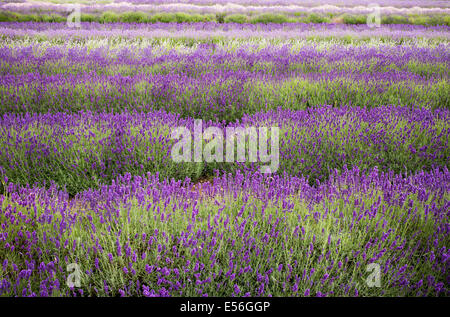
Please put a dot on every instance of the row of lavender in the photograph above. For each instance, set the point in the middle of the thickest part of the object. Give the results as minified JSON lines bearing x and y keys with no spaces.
{"x":221,"y":84}
{"x":229,"y":31}
{"x":310,"y":3}
{"x":89,"y":183}
{"x":85,"y":150}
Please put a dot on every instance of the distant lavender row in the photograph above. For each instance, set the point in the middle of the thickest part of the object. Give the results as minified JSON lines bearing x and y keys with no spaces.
{"x":30,"y":7}
{"x":225,"y":95}
{"x":212,"y":29}
{"x":309,"y":3}
{"x":221,"y":84}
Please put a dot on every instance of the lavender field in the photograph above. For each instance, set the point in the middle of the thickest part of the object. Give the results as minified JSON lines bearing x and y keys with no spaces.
{"x":94,"y":202}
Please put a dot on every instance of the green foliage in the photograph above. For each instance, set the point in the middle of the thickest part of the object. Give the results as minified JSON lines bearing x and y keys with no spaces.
{"x":354,"y":19}
{"x":134,"y":17}
{"x":236,"y":18}
{"x":394,"y":19}
{"x":220,"y":17}
{"x":269,"y":18}
{"x":6,"y":16}
{"x":163,"y":17}
{"x":109,"y":17}
{"x":88,"y":18}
